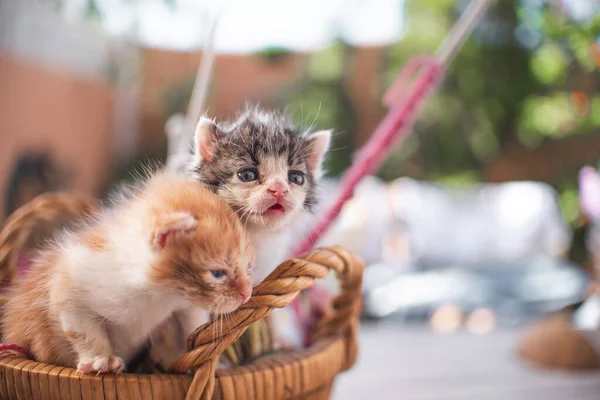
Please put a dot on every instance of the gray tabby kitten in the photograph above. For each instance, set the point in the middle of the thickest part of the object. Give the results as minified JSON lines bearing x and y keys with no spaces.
{"x":268,"y":172}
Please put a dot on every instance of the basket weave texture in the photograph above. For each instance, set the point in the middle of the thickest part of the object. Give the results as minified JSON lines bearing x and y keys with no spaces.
{"x":305,"y":374}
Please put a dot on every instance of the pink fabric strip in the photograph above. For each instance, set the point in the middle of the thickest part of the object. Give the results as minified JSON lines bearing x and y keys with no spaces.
{"x":15,"y":347}
{"x":393,"y":127}
{"x":390,"y":131}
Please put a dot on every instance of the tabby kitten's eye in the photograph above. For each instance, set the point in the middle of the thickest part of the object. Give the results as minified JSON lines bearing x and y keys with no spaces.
{"x":218,"y":274}
{"x":296,"y":177}
{"x":248,"y":174}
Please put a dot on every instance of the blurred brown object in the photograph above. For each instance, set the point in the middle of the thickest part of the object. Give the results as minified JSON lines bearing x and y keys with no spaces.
{"x":52,"y":111}
{"x":363,"y":85}
{"x":555,"y":344}
{"x":33,"y":174}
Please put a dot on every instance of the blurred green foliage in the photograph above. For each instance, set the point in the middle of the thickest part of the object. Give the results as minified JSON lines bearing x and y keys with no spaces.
{"x":576,"y":36}
{"x":510,"y":83}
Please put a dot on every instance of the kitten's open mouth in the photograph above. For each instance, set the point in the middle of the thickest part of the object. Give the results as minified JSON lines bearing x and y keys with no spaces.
{"x":275,"y":208}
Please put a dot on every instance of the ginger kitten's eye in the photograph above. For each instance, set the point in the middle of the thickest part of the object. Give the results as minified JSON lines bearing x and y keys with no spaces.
{"x":218,"y":274}
{"x":296,"y":177}
{"x":248,"y":174}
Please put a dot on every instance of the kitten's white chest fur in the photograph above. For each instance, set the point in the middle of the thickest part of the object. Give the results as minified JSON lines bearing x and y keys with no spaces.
{"x":132,"y":328}
{"x":272,"y":248}
{"x":113,"y":286}
{"x":275,"y":247}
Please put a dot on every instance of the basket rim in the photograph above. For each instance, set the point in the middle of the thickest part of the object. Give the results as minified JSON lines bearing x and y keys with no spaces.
{"x":10,"y":359}
{"x":18,"y":373}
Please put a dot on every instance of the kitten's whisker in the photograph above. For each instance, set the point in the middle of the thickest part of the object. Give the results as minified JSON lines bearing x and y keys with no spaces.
{"x":337,"y":149}
{"x":242,"y":212}
{"x":233,"y":213}
{"x":220,"y":324}
{"x":314,"y":120}
{"x":217,"y":317}
{"x":315,"y":229}
{"x":246,"y":211}
{"x":301,"y":116}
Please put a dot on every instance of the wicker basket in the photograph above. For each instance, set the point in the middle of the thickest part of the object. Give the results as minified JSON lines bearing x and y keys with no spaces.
{"x":304,"y":374}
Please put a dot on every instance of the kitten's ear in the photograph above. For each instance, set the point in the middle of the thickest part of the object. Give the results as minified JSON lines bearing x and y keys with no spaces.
{"x":589,"y":192}
{"x":318,"y":144}
{"x":205,"y":139}
{"x":170,"y":225}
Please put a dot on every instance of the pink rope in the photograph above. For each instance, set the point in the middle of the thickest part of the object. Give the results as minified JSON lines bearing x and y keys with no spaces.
{"x":403,"y":112}
{"x":394,"y":127}
{"x":429,"y":74}
{"x":15,"y":347}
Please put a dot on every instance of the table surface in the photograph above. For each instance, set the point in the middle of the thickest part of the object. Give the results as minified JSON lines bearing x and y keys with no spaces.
{"x":411,"y":363}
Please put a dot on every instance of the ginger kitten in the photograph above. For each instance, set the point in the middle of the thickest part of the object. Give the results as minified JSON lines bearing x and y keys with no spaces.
{"x":92,"y":299}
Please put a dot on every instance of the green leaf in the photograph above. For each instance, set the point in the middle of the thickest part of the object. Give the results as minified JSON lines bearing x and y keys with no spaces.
{"x":549,"y":63}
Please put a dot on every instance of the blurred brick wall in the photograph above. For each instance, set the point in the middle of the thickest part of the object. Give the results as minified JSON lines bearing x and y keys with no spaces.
{"x":545,"y":163}
{"x":363,"y":84}
{"x":52,"y":111}
{"x":236,"y":79}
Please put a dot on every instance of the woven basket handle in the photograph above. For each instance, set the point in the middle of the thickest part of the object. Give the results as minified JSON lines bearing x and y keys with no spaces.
{"x":278,"y":290}
{"x":45,"y":208}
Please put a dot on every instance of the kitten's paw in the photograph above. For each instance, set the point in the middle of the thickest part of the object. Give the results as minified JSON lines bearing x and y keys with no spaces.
{"x":116,"y":364}
{"x":101,"y":365}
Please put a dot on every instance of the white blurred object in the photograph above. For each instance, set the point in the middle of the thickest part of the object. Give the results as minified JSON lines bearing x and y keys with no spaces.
{"x":496,"y":246}
{"x":33,"y":30}
{"x":485,"y":223}
{"x":176,"y":159}
{"x":250,"y":26}
{"x":287,"y":330}
{"x":480,"y":224}
{"x":581,"y":10}
{"x":587,"y":319}
{"x":363,"y":221}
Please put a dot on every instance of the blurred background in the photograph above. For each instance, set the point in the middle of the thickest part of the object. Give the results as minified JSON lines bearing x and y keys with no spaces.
{"x":471,"y":230}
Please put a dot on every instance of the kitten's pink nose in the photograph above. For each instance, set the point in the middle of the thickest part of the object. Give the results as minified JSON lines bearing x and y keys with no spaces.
{"x":245,"y":292}
{"x":277,"y":190}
